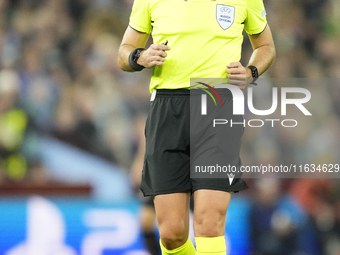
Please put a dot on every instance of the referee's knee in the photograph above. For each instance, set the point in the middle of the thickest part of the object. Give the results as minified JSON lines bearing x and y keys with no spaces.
{"x":209,"y":224}
{"x":173,"y":234}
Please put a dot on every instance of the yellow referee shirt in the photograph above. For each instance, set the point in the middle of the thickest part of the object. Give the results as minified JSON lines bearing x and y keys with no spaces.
{"x":204,"y":35}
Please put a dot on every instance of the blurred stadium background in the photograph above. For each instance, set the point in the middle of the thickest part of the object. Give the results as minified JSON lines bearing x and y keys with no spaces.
{"x":70,"y":127}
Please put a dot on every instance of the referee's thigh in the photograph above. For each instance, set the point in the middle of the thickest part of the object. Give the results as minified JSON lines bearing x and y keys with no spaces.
{"x":172,"y":211}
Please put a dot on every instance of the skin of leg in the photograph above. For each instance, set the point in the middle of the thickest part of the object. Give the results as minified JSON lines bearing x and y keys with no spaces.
{"x":210,"y":212}
{"x":147,"y":216}
{"x":172,"y":212}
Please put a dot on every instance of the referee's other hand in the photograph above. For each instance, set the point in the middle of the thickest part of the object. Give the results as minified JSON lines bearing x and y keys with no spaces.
{"x":239,"y":75}
{"x":153,"y":56}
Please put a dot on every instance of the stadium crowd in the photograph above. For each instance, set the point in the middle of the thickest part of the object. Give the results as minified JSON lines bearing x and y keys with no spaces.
{"x":59,"y":78}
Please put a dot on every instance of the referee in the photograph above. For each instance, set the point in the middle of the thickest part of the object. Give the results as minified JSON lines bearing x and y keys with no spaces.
{"x":204,"y":40}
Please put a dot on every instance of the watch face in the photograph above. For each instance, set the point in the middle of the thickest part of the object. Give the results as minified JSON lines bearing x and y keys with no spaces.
{"x":133,"y":59}
{"x":136,"y":55}
{"x":254,"y":71}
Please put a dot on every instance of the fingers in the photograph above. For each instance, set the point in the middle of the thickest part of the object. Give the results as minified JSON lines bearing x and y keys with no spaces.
{"x":157,"y":61}
{"x":159,"y":47}
{"x":237,"y":75}
{"x":241,"y":83}
{"x":157,"y":58}
{"x":236,"y":71}
{"x":163,"y":54}
{"x":236,"y":68}
{"x":234,"y":65}
{"x":154,"y":55}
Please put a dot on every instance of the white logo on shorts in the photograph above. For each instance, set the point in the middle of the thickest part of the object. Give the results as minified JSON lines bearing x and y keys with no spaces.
{"x":231,"y":177}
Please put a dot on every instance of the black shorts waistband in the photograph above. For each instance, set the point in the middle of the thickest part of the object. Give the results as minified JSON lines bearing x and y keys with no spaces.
{"x":173,"y":91}
{"x":188,"y":92}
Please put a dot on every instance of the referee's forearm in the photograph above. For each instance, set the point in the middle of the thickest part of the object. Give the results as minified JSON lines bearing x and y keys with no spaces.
{"x":123,"y":57}
{"x":263,"y":57}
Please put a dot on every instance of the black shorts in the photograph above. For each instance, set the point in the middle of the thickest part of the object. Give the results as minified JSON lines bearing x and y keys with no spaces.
{"x":167,"y":159}
{"x":148,"y":201}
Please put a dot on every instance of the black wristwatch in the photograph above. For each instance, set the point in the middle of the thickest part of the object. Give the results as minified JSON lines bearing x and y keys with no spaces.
{"x":133,"y":57}
{"x":254,"y":73}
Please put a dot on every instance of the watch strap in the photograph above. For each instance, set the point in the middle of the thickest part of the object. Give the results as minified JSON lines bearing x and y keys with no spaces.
{"x":133,"y":57}
{"x":254,"y":73}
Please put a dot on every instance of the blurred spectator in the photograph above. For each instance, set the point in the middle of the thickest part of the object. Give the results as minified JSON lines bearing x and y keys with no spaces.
{"x":18,"y":156}
{"x":13,"y":124}
{"x":274,"y":226}
{"x":279,"y":225}
{"x":320,"y":199}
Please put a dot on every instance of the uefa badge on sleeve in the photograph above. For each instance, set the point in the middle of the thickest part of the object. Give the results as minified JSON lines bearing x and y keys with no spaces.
{"x":263,"y":13}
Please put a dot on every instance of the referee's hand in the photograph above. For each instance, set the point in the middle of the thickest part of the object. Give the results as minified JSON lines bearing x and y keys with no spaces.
{"x":239,"y":75}
{"x":153,"y":56}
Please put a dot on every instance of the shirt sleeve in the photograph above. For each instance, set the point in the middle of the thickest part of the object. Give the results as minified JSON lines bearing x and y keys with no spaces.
{"x":256,"y":20}
{"x":140,"y":18}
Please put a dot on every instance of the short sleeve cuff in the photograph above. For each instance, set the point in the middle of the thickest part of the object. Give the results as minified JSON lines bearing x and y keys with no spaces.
{"x":139,"y":28}
{"x":257,"y":30}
